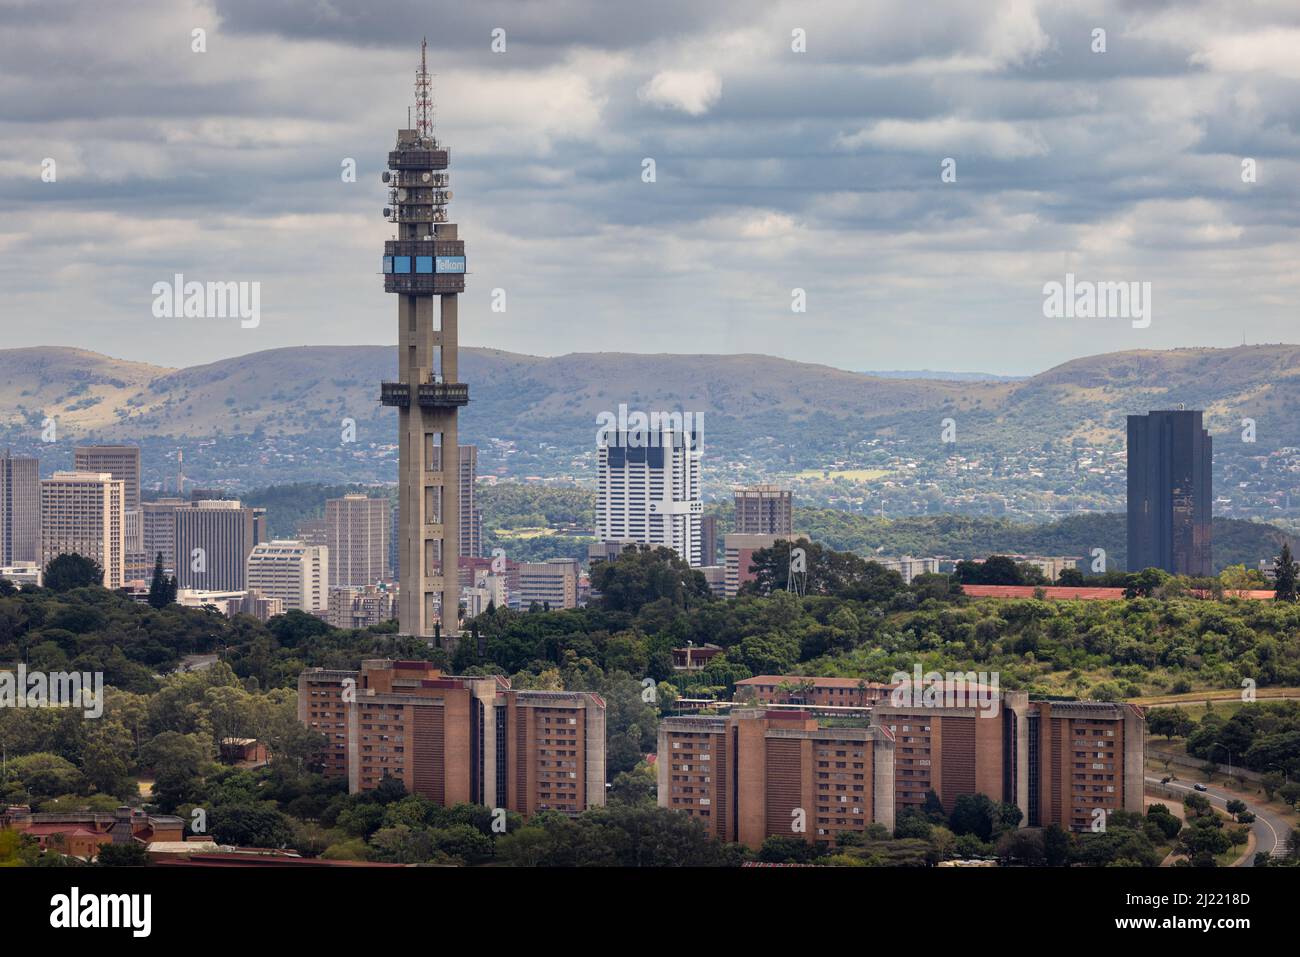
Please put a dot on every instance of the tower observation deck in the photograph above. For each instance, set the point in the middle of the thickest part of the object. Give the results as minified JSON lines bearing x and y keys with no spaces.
{"x":426,"y":261}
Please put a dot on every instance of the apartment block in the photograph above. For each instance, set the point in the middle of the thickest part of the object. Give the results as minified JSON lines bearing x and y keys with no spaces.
{"x":955,"y":750}
{"x":1083,"y":758}
{"x":82,"y":513}
{"x":357,"y":530}
{"x":458,"y":739}
{"x":295,"y":573}
{"x":758,"y":773}
{"x":745,"y":774}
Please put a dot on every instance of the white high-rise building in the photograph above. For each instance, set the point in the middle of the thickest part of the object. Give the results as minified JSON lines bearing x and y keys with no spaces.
{"x":296,"y":573}
{"x":648,"y":488}
{"x":83,"y":513}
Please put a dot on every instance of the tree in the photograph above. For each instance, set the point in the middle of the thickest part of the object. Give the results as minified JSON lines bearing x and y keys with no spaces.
{"x":975,"y":814}
{"x":1287,"y":576}
{"x":66,"y":572}
{"x":47,"y":775}
{"x":1143,"y":584}
{"x":130,"y":854}
{"x":842,"y":574}
{"x":251,"y":825}
{"x":178,"y":761}
{"x":642,"y":575}
{"x":1171,"y":722}
{"x":162,"y":589}
{"x":1057,"y":845}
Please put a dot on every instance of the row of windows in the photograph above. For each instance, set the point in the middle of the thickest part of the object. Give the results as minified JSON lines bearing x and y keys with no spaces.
{"x":424,"y":264}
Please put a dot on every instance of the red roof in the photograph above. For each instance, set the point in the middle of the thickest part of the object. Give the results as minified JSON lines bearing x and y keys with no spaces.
{"x":818,"y":682}
{"x":1063,"y":592}
{"x":72,"y":830}
{"x":1067,"y":592}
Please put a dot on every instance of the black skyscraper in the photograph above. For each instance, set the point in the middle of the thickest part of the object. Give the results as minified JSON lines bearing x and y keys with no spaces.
{"x":1169,"y":494}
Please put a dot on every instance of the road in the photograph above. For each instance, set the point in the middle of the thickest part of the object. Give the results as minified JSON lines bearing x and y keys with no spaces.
{"x":1271,"y":832}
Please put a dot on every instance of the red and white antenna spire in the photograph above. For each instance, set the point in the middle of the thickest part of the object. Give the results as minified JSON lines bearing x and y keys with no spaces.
{"x":423,"y":96}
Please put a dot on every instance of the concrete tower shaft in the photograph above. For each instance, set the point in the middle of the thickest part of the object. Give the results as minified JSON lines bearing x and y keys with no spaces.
{"x":425,"y":261}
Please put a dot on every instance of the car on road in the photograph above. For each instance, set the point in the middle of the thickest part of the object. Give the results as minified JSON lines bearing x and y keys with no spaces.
{"x":1200,"y":787}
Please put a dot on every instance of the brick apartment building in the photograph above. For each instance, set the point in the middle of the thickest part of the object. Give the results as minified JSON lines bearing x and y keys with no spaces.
{"x":755,"y":772}
{"x":744,"y":773}
{"x":458,"y":739}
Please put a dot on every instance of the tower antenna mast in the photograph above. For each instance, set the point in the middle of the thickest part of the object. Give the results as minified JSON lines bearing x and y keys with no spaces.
{"x":423,"y":96}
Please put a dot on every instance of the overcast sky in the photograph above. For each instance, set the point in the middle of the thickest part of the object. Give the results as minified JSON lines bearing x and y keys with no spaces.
{"x":775,"y":169}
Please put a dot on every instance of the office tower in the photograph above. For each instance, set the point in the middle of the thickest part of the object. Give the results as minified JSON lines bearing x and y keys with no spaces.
{"x":213,"y":541}
{"x":425,"y":261}
{"x":123,"y":461}
{"x":82,"y":513}
{"x":1169,"y":493}
{"x":458,"y":739}
{"x":315,"y":531}
{"x":357,"y":536}
{"x":648,"y":489}
{"x":471,"y":516}
{"x":708,"y":539}
{"x":738,"y":559}
{"x":20,"y":510}
{"x":552,"y":583}
{"x":295,"y":573}
{"x":158,"y":529}
{"x":764,"y":510}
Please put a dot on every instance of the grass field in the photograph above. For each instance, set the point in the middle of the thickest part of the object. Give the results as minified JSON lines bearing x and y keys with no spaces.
{"x":523,"y":532}
{"x":852,"y":475}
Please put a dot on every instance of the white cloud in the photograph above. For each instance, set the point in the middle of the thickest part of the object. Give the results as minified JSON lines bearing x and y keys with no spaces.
{"x":949,"y":136}
{"x":691,"y":91}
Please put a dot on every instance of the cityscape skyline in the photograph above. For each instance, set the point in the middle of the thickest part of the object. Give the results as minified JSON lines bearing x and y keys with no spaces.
{"x":429,"y":646}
